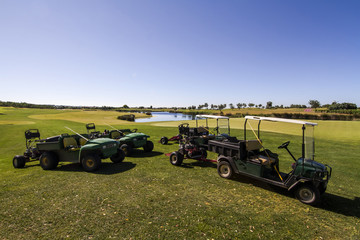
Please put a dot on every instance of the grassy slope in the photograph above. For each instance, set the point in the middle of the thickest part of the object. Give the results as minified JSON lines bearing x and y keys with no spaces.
{"x":146,"y":197}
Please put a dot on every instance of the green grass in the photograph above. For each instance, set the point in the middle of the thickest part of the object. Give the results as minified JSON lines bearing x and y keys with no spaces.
{"x":145,"y":197}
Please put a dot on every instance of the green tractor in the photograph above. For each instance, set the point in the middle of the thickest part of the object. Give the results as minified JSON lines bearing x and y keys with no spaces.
{"x":68,"y":148}
{"x":128,"y":139}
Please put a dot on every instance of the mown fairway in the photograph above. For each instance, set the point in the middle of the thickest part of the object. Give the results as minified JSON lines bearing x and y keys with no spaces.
{"x":145,"y":197}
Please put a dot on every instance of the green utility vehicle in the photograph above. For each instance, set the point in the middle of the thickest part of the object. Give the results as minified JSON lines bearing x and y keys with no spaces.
{"x":68,"y":148}
{"x":128,"y":139}
{"x":308,"y":178}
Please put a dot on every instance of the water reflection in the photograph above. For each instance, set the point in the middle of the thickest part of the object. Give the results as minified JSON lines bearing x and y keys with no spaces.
{"x":166,"y":116}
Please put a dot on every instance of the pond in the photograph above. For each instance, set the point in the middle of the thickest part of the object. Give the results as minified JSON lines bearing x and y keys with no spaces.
{"x":166,"y":116}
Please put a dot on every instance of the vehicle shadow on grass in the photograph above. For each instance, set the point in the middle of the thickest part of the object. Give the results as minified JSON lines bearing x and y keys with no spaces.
{"x":341,"y":205}
{"x":329,"y":201}
{"x":106,"y":168}
{"x":137,"y":153}
{"x":198,"y":164}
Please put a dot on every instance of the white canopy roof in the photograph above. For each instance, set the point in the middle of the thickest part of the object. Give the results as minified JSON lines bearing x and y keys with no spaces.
{"x":272,"y":119}
{"x":211,"y":116}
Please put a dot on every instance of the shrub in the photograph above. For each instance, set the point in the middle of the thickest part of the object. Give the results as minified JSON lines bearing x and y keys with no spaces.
{"x":128,"y":117}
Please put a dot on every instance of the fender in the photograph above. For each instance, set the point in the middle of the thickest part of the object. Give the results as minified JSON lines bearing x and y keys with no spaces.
{"x":298,"y":182}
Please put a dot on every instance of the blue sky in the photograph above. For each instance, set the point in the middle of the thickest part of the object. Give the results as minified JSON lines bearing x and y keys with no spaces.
{"x":179,"y":53}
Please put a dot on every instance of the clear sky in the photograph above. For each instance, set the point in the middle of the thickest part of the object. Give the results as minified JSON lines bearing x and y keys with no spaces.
{"x":179,"y":53}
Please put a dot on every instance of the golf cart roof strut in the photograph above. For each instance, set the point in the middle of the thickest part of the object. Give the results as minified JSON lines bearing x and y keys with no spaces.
{"x":272,"y":119}
{"x":211,"y":116}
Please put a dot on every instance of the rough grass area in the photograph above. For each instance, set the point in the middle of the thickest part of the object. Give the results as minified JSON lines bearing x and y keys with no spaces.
{"x":145,"y":197}
{"x":97,"y":117}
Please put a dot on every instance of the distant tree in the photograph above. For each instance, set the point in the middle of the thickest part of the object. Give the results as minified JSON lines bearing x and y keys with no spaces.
{"x":260,"y":105}
{"x":206,"y":105}
{"x":269,"y":104}
{"x":221,"y":106}
{"x":339,"y":106}
{"x":297,"y":106}
{"x":314,"y":103}
{"x":125,"y":106}
{"x":231,"y":106}
{"x":251,"y":105}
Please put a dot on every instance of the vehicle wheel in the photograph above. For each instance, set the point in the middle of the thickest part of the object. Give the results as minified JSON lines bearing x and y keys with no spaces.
{"x":322,"y":188}
{"x":176,"y":158}
{"x":127,"y":149}
{"x":149,"y":146}
{"x":118,"y":157}
{"x":225,"y":170}
{"x":48,"y":160}
{"x":203,"y":153}
{"x":307,"y":194}
{"x":91,"y":162}
{"x":164,"y":140}
{"x":19,"y":161}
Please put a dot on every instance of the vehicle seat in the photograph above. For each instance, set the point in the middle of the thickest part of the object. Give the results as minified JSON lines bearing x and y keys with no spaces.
{"x":82,"y":141}
{"x":115,"y":135}
{"x":202,"y":130}
{"x":252,"y":145}
{"x":70,"y":144}
{"x":264,"y":160}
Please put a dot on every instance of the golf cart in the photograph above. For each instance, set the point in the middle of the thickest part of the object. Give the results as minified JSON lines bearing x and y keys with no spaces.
{"x":68,"y":148}
{"x":308,"y":178}
{"x":128,"y":139}
{"x":194,"y":143}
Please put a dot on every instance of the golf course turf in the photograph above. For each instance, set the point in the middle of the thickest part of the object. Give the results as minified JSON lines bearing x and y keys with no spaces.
{"x":145,"y":197}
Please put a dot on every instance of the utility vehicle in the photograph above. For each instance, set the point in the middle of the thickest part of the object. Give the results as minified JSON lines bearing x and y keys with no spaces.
{"x":68,"y":148}
{"x":308,"y":178}
{"x":194,"y":143}
{"x":183,"y":130}
{"x":128,"y":139}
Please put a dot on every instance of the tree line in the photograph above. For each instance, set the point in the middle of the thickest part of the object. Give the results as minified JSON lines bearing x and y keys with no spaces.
{"x":334,"y":106}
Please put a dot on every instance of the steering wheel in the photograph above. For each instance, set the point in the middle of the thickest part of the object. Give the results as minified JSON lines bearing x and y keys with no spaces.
{"x":284,"y":145}
{"x":134,"y":130}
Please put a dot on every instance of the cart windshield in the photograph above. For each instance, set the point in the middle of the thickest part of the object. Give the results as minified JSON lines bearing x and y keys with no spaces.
{"x":309,"y":142}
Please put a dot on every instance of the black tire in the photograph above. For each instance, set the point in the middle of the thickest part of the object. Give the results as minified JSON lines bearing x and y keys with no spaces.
{"x":127,"y":149}
{"x":225,"y":170}
{"x":203,"y":152}
{"x":149,"y":146}
{"x":176,"y":158}
{"x":307,"y":194}
{"x":48,"y":160}
{"x":322,"y":188}
{"x":91,"y":162}
{"x":118,"y":157}
{"x":19,"y":161}
{"x":164,"y":140}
